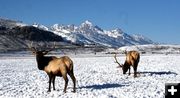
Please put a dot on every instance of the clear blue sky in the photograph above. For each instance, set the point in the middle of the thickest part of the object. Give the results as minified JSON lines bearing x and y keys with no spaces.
{"x":157,"y":19}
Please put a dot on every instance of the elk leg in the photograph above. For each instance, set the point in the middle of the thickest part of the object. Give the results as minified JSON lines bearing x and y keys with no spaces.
{"x":66,"y":82}
{"x":135,"y":71}
{"x":53,"y":82}
{"x":129,"y":70}
{"x":71,"y":74}
{"x":50,"y":79}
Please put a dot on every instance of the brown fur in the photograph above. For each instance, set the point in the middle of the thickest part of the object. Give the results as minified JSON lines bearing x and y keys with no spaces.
{"x":54,"y":66}
{"x":132,"y":59}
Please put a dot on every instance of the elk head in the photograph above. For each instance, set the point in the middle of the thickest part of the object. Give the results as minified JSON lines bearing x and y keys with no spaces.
{"x":40,"y":56}
{"x":40,"y":53}
{"x":124,"y":68}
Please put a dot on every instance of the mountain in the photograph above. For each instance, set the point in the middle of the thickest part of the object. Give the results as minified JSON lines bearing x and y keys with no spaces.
{"x":40,"y":26}
{"x":18,"y":38}
{"x":15,"y":35}
{"x":87,"y":34}
{"x":10,"y":23}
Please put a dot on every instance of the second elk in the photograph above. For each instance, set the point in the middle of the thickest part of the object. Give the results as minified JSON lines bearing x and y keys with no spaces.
{"x":132,"y":59}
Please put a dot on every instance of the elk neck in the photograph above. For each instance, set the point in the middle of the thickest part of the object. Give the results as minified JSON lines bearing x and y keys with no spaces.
{"x":42,"y":61}
{"x":125,"y":67}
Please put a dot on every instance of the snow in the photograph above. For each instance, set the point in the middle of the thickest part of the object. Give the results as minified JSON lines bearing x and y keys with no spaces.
{"x":97,"y":77}
{"x":87,"y":22}
{"x":40,"y":26}
{"x":93,"y":34}
{"x":21,"y":24}
{"x":151,"y":48}
{"x":113,"y":33}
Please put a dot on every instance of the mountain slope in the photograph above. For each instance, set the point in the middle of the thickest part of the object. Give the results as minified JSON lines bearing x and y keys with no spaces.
{"x":10,"y":23}
{"x":87,"y":33}
{"x":18,"y":38}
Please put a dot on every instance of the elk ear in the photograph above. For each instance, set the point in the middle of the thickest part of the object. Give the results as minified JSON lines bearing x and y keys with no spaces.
{"x":33,"y":50}
{"x":34,"y":53}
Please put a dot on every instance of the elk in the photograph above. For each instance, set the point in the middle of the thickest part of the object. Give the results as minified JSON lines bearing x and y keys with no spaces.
{"x":132,"y":59}
{"x":55,"y":66}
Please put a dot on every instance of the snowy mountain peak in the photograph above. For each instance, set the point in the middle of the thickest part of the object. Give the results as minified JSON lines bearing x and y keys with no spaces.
{"x":118,"y":31}
{"x":86,"y":24}
{"x":87,"y":33}
{"x":141,"y":38}
{"x":40,"y":26}
{"x":56,"y":27}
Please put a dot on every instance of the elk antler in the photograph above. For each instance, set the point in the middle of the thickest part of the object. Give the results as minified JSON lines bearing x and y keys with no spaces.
{"x":33,"y":49}
{"x":125,"y":52}
{"x":117,"y":61}
{"x":52,"y":48}
{"x":46,"y":51}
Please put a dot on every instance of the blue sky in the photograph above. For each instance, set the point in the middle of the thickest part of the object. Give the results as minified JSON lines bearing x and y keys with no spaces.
{"x":158,"y":20}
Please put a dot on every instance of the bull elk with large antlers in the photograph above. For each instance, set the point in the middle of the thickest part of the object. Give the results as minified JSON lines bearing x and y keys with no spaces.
{"x":132,"y":59}
{"x":54,"y":66}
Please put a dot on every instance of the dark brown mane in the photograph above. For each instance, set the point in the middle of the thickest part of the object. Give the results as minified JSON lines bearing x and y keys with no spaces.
{"x":42,"y":62}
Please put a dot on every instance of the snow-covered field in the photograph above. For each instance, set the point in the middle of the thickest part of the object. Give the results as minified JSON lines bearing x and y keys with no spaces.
{"x":97,"y":77}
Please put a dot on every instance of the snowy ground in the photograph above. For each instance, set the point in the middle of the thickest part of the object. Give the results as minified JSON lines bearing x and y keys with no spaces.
{"x":97,"y":77}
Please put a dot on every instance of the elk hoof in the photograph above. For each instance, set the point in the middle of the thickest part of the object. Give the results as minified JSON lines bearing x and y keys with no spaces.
{"x":135,"y":76}
{"x":49,"y":91}
{"x":64,"y":91}
{"x":74,"y":91}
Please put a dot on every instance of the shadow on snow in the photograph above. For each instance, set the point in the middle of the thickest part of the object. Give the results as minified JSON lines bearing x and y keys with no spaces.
{"x":158,"y":73}
{"x":103,"y":86}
